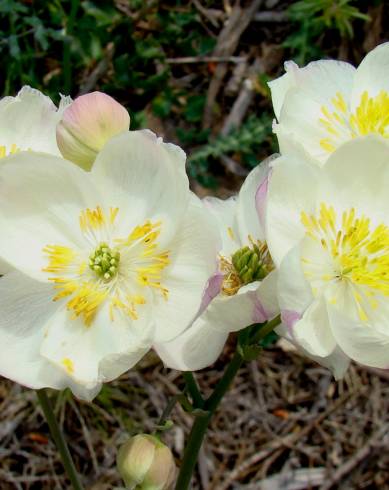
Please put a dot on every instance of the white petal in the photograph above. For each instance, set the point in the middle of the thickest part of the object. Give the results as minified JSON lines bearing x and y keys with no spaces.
{"x":357,"y":175}
{"x":224,"y":212}
{"x":233,"y":313}
{"x":193,"y":261}
{"x":25,"y":307}
{"x":372,"y":74}
{"x":292,"y":189}
{"x":4,"y":267}
{"x":321,"y":80}
{"x":198,"y":347}
{"x":213,"y":288}
{"x":365,"y":343}
{"x":314,"y":87}
{"x":41,"y":197}
{"x":280,"y":86}
{"x":267,"y":299}
{"x":145,"y":178}
{"x":201,"y":344}
{"x":29,"y":121}
{"x":246,"y":211}
{"x":337,"y":362}
{"x":313,"y":331}
{"x":295,"y":293}
{"x":97,"y":353}
{"x":300,"y":117}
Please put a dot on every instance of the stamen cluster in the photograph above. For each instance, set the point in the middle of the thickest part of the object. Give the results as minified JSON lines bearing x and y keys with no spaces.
{"x":104,"y":261}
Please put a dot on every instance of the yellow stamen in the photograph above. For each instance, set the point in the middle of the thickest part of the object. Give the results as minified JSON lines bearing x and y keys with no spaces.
{"x":89,"y":287}
{"x":12,"y":150}
{"x":360,"y":254}
{"x":69,"y":366}
{"x":371,"y":116}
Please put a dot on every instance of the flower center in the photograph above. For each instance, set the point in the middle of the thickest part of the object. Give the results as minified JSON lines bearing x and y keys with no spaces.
{"x":371,"y":116}
{"x":104,"y":261}
{"x":4,"y":153}
{"x":360,"y":254}
{"x":248,"y":264}
{"x":123,"y":275}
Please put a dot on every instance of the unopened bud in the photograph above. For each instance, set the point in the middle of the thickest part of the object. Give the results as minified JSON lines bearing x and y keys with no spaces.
{"x":145,"y":463}
{"x":86,"y":126}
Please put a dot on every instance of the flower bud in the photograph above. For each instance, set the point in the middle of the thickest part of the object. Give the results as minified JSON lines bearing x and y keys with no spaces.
{"x":86,"y":126}
{"x":145,"y":463}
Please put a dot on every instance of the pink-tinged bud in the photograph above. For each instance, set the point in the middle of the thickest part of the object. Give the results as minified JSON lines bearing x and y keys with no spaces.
{"x":145,"y":463}
{"x":86,"y":126}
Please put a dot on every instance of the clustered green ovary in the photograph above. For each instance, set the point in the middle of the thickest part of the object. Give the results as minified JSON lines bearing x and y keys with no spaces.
{"x":104,"y":261}
{"x":249,"y":264}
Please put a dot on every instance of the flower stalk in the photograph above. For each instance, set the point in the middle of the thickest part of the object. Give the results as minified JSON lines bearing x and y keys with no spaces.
{"x":209,"y":406}
{"x":59,"y":439}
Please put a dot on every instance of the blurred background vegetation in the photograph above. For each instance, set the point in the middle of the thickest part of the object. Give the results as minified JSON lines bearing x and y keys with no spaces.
{"x":195,"y":71}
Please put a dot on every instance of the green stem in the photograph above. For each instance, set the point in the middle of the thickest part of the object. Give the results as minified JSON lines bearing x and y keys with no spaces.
{"x":59,"y":439}
{"x":266,"y":329}
{"x":193,"y":389}
{"x":210,"y":405}
{"x":192,"y":448}
{"x":201,"y":423}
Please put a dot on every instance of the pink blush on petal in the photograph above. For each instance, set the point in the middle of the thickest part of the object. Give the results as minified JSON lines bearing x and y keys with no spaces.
{"x":289,"y":318}
{"x":259,"y":313}
{"x":212,"y":290}
{"x":260,"y":198}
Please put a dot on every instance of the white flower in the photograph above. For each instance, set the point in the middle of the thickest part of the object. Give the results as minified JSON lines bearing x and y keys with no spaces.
{"x":106,"y":263}
{"x":330,"y":102}
{"x":28,"y":122}
{"x":328,"y":231}
{"x":243,"y":292}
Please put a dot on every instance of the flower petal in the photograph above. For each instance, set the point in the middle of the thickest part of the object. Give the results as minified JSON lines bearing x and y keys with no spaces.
{"x":300,"y":117}
{"x":280,"y":86}
{"x":267,"y":297}
{"x":41,"y":197}
{"x":321,"y":80}
{"x":196,"y":348}
{"x":98,"y":353}
{"x":25,"y":307}
{"x":193,"y":261}
{"x":246,"y":211}
{"x":346,"y":183}
{"x":372,"y":74}
{"x":295,"y":293}
{"x":313,"y":331}
{"x":337,"y":362}
{"x":292,"y":189}
{"x":313,"y":87}
{"x":201,"y":344}
{"x":365,"y":343}
{"x":145,"y":178}
{"x":224,"y":211}
{"x":29,"y":121}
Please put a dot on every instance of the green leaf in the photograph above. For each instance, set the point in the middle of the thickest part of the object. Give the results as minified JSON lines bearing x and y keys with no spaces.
{"x":194,"y":108}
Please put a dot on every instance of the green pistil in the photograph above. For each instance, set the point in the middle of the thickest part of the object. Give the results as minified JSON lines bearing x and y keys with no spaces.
{"x":250,"y":264}
{"x":104,"y":261}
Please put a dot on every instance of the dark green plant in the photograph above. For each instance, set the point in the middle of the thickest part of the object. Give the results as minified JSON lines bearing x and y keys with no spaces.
{"x":245,"y":141}
{"x":313,"y":17}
